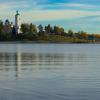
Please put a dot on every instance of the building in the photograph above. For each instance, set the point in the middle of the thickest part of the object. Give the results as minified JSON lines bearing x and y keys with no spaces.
{"x":18,"y":23}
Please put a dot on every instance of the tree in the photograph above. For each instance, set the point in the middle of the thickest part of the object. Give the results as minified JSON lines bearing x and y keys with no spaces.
{"x":25,"y":28}
{"x":91,"y":37}
{"x":7,"y":22}
{"x":48,"y":29}
{"x":84,"y":35}
{"x":61,"y":30}
{"x":97,"y":36}
{"x":70,"y":33}
{"x":13,"y":31}
{"x":58,"y":30}
{"x":40,"y":27}
{"x":33,"y":28}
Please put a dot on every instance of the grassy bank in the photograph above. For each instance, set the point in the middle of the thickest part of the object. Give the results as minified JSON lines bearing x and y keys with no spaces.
{"x":35,"y":38}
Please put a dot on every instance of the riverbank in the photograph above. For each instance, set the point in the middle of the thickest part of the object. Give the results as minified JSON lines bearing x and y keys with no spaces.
{"x":45,"y":42}
{"x":38,"y":38}
{"x":46,"y":39}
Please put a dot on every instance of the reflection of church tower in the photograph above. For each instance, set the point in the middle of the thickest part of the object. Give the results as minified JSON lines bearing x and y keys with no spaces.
{"x":18,"y":23}
{"x":18,"y":62}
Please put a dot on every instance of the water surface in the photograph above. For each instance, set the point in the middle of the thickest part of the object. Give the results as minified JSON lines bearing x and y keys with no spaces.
{"x":49,"y":71}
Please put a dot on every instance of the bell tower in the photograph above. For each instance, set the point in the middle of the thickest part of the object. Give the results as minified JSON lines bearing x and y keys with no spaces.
{"x":18,"y":23}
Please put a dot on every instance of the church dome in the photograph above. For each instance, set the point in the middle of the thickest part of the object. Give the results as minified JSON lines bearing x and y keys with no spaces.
{"x":17,"y":13}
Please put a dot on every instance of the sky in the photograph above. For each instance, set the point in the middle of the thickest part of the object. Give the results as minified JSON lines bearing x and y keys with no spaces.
{"x":71,"y":14}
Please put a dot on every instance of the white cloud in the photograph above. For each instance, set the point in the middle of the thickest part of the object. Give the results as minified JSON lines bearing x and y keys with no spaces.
{"x":42,"y":15}
{"x":12,"y":5}
{"x":71,"y":5}
{"x":37,"y":12}
{"x":80,"y":5}
{"x":49,"y":15}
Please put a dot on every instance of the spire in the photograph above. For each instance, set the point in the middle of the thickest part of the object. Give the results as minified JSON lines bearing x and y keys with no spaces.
{"x":17,"y":12}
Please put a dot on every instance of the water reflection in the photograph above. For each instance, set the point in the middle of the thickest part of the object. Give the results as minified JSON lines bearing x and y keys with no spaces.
{"x":24,"y":59}
{"x":17,"y":62}
{"x":20,"y":62}
{"x":28,"y":59}
{"x":69,"y":72}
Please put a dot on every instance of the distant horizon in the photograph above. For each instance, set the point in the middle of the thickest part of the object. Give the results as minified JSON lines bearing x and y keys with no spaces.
{"x":70,"y":14}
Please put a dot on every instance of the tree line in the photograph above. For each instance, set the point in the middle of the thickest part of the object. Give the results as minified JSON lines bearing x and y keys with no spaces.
{"x":31,"y":32}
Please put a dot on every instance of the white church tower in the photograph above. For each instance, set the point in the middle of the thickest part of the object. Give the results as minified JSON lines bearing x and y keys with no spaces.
{"x":18,"y":23}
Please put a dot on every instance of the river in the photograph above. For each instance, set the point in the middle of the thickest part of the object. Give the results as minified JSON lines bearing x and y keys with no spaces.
{"x":49,"y":71}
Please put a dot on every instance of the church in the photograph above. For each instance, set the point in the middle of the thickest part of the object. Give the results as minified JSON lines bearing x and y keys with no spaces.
{"x":18,"y":23}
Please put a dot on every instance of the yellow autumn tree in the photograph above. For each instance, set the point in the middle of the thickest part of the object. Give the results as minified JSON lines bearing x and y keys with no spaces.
{"x":84,"y":35}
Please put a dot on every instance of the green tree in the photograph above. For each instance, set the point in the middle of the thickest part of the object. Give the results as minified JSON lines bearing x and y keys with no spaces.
{"x":25,"y":28}
{"x":33,"y":28}
{"x":70,"y":33}
{"x":40,"y":28}
{"x":13,"y":31}
{"x":61,"y":30}
{"x":48,"y":29}
{"x":7,"y":22}
{"x":58,"y":30}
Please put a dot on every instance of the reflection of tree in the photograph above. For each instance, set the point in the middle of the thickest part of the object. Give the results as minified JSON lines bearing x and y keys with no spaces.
{"x":27,"y":61}
{"x":76,"y":57}
{"x":51,"y":59}
{"x":7,"y":60}
{"x":21,"y":62}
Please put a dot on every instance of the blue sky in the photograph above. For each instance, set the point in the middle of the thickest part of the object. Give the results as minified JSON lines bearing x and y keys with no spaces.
{"x":70,"y":14}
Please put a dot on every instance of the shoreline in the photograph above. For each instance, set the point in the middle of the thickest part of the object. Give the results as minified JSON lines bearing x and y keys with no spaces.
{"x":45,"y":42}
